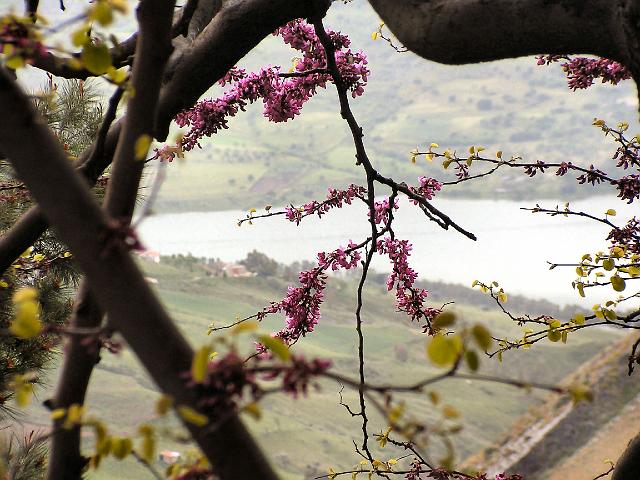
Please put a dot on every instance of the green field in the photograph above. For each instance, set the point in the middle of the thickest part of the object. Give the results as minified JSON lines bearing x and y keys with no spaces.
{"x":308,"y":435}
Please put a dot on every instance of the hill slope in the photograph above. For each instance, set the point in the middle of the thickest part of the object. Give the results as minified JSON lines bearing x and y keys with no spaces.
{"x":122,"y":395}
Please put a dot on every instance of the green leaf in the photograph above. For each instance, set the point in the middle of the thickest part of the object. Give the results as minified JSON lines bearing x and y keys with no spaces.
{"x":482,"y":336}
{"x":473,"y":362}
{"x":618,"y":283}
{"x":96,"y":58}
{"x":443,"y":350}
{"x":608,"y":264}
{"x":444,"y":319}
{"x":200,"y":364}
{"x":277,"y":347}
{"x":578,"y":319}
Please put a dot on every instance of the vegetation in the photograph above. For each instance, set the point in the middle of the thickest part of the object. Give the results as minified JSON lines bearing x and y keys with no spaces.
{"x":212,"y":389}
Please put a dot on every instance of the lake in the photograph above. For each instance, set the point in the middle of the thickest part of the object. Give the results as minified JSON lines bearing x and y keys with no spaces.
{"x":513,"y":245}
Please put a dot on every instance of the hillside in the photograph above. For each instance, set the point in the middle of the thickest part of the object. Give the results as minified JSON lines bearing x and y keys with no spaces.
{"x":557,"y":441}
{"x":122,"y":394}
{"x":513,"y":105}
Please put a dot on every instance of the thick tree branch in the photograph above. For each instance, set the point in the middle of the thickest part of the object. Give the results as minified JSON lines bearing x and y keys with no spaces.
{"x":472,"y":31}
{"x":120,"y":54}
{"x":65,"y":459}
{"x":153,"y":50}
{"x":118,"y":285}
{"x":628,"y":465}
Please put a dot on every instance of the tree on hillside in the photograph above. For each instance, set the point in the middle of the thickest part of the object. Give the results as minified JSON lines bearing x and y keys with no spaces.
{"x":164,"y":68}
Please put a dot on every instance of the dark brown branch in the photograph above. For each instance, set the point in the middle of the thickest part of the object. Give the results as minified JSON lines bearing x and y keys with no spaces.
{"x":628,"y":465}
{"x":473,"y":31}
{"x":118,"y":285}
{"x":65,"y":459}
{"x":362,"y":159}
{"x":153,"y":50}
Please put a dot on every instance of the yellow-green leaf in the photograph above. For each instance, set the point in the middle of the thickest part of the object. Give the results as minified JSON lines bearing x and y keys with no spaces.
{"x":101,"y":13}
{"x":618,"y":283}
{"x":253,"y":409}
{"x":121,"y":447}
{"x":482,"y":336}
{"x":473,"y":362}
{"x":96,"y":58}
{"x":192,"y":416}
{"x":443,"y":350}
{"x":26,"y":323}
{"x":277,"y":347}
{"x":200,"y":364}
{"x":580,"y":393}
{"x":24,"y":294}
{"x":444,"y":319}
{"x":163,"y":404}
{"x":449,"y":412}
{"x":142,"y":146}
{"x":554,"y":335}
{"x":247,"y":326}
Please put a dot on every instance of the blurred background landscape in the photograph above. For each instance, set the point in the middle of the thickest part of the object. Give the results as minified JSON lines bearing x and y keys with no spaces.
{"x":515,"y":106}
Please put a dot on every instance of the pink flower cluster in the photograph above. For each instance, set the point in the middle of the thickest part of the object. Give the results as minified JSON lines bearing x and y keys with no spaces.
{"x":581,"y":71}
{"x":227,"y":381}
{"x":427,"y":189}
{"x":418,"y":471}
{"x":301,"y":305}
{"x":409,"y":299}
{"x":382,"y":210}
{"x":296,"y":377}
{"x":283,"y":95}
{"x":340,"y":258}
{"x":20,"y":36}
{"x":229,"y":378}
{"x":335,"y":199}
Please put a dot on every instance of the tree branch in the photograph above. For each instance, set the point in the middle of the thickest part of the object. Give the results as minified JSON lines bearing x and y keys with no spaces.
{"x":472,"y":31}
{"x":152,"y":51}
{"x":118,"y":285}
{"x":628,"y":465}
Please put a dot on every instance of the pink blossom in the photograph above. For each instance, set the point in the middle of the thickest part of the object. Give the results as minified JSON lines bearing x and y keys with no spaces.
{"x":582,"y":72}
{"x":282,"y":97}
{"x":301,"y":305}
{"x":427,"y":189}
{"x":382,"y":210}
{"x":335,"y":199}
{"x":409,"y":299}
